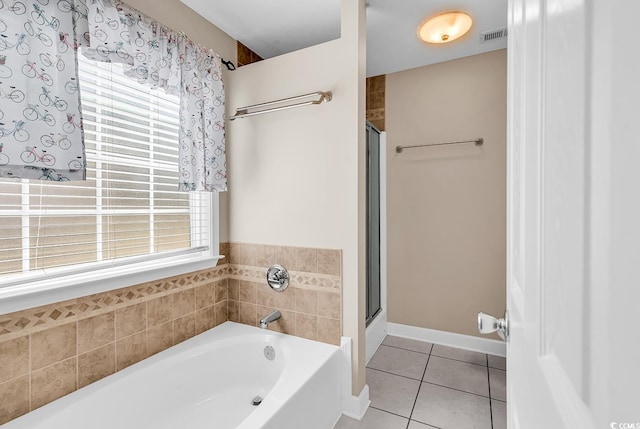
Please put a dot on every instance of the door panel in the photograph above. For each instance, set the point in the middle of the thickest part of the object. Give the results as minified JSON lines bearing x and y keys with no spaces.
{"x":547,"y":213}
{"x":573,"y":231}
{"x":563,"y":169}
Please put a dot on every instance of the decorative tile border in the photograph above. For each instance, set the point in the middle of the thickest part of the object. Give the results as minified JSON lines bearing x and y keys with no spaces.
{"x":40,"y":318}
{"x":36,"y":319}
{"x":302,"y":280}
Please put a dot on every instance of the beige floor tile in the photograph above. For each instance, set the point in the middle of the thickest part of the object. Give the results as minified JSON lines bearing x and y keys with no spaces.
{"x":459,"y":354}
{"x":498,"y":362}
{"x":457,"y":375}
{"x":417,"y":425}
{"x":400,"y":362}
{"x":498,"y":383}
{"x":447,"y":408}
{"x":392,"y":393}
{"x":499,"y":414}
{"x":406,"y":343}
{"x":373,"y":419}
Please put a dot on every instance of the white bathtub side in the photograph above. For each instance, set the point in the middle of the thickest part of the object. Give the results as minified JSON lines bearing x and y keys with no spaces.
{"x":301,"y":381}
{"x":309,"y":392}
{"x":317,"y":404}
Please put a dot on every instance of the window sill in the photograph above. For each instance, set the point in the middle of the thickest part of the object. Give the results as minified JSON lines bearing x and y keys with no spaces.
{"x":48,"y":291}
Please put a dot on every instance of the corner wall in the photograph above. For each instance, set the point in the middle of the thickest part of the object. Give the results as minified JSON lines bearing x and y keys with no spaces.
{"x":296,"y":177}
{"x":447,"y":205}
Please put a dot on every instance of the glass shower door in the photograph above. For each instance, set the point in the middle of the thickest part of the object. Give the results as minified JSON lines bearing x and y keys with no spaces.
{"x":373,"y":223}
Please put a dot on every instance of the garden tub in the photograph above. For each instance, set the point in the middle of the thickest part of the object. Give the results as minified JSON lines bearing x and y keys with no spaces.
{"x":231,"y":377}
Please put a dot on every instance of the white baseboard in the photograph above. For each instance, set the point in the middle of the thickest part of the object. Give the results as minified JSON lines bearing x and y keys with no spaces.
{"x":376,"y":331}
{"x":356,"y":406}
{"x":467,"y":342}
{"x":352,"y":406}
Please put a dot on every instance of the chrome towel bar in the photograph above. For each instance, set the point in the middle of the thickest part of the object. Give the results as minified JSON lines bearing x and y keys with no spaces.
{"x":478,"y":142}
{"x":243,"y":112}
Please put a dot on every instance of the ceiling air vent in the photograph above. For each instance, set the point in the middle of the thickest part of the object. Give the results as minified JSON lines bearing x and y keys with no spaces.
{"x":488,"y":36}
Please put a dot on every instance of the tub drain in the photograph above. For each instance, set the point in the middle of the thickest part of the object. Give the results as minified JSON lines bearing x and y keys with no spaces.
{"x":256,"y":401}
{"x":269,"y":353}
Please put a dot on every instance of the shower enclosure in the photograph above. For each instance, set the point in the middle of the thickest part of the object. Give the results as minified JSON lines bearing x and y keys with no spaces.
{"x":373,"y":223}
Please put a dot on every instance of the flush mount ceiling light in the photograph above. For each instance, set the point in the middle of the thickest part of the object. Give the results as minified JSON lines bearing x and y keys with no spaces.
{"x":445,"y":27}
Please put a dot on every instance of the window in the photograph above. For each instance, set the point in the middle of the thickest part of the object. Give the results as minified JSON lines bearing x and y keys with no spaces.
{"x":128,"y":210}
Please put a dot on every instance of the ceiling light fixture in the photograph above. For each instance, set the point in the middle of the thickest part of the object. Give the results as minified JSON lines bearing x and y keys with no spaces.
{"x":445,"y":27}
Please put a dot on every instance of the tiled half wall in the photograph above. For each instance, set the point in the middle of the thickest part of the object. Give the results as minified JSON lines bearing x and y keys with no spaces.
{"x":310,"y":307}
{"x":50,"y":351}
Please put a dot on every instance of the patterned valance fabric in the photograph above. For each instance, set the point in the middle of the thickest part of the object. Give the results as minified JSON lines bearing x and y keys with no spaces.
{"x":158,"y":56}
{"x":40,"y":122}
{"x":41,"y":127}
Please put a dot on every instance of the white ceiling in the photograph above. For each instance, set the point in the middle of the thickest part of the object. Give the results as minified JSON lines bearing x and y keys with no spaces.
{"x":271,"y":28}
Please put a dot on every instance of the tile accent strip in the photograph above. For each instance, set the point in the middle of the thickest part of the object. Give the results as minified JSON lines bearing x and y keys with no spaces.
{"x":45,"y":317}
{"x":301,"y":280}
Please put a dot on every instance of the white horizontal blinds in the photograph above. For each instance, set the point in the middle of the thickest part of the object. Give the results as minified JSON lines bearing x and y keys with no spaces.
{"x":129,"y":206}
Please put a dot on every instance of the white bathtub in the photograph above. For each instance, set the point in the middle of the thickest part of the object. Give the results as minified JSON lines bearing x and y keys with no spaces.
{"x":209,"y":382}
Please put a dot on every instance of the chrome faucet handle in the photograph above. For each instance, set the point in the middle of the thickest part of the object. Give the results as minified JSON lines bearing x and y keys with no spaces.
{"x":277,"y":277}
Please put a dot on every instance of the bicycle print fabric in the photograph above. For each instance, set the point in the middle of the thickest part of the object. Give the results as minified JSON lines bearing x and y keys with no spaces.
{"x":41,"y":133}
{"x":160,"y":57}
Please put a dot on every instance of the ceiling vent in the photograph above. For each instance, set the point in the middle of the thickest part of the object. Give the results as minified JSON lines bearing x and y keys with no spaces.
{"x":488,"y":36}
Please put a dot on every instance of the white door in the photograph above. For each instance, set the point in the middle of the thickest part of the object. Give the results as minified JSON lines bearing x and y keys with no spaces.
{"x":574,"y":214}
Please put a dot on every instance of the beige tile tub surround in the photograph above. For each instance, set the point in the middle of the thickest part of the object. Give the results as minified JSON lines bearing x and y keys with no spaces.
{"x":310,"y":307}
{"x":50,"y":351}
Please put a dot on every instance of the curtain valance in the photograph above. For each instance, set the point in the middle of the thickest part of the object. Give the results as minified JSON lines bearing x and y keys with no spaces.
{"x":159,"y":56}
{"x":109,"y":31}
{"x":40,"y":122}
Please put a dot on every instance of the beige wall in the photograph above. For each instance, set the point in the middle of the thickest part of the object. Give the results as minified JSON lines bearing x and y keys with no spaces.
{"x":447,"y":205}
{"x":296,"y":176}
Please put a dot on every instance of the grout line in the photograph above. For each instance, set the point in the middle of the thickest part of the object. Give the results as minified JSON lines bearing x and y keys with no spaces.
{"x":409,"y":350}
{"x":77,"y":356}
{"x":429,"y":382}
{"x":388,"y":412}
{"x":427,"y":424}
{"x":397,"y":375}
{"x":29,"y":371}
{"x":458,"y":390}
{"x":489,"y":385}
{"x":458,"y":360}
{"x":418,"y":393}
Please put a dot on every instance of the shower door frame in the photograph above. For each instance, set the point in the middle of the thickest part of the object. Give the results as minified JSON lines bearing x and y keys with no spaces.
{"x":372,"y":313}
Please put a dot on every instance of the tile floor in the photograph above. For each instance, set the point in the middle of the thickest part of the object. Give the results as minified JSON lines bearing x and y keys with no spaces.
{"x":417,"y":385}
